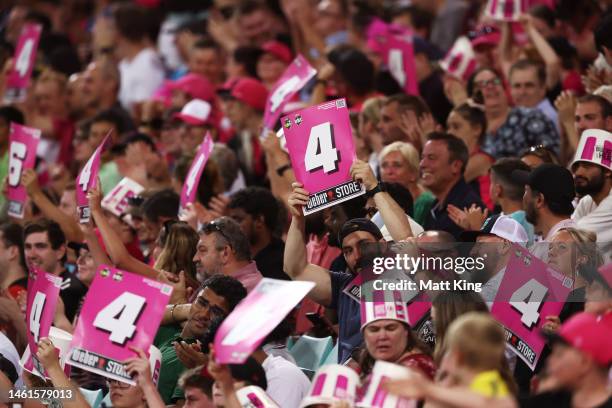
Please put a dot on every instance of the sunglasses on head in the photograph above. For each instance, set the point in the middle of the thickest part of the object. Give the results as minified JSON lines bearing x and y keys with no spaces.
{"x":486,"y":30}
{"x":215,"y":226}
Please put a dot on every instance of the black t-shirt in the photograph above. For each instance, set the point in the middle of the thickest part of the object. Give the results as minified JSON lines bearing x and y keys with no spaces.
{"x":71,"y":292}
{"x":270,"y":260}
{"x":556,"y":399}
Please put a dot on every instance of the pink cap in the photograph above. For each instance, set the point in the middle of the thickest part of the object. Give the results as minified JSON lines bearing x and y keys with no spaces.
{"x":197,"y":86}
{"x":279,"y":50}
{"x":248,"y":90}
{"x":590,"y":334}
{"x":485,"y":34}
{"x":196,"y":112}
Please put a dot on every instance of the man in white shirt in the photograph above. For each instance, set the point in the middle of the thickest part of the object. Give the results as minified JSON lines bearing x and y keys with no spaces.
{"x":592,"y":170}
{"x":140,"y":67}
{"x":549,"y":192}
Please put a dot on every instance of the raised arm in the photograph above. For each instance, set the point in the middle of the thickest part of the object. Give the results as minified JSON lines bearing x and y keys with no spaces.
{"x":295,"y":261}
{"x":548,"y":54}
{"x":392,"y":214}
{"x":69,"y":224}
{"x":116,"y":249}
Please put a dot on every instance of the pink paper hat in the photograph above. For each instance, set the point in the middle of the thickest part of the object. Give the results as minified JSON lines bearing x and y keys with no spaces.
{"x":376,"y":397}
{"x":460,"y":60}
{"x":506,"y":10}
{"x":254,"y":397}
{"x":384,"y":305}
{"x":332,"y":383}
{"x":595,"y":147}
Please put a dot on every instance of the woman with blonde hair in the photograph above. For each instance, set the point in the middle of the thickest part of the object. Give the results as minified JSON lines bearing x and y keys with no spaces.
{"x":399,"y":163}
{"x":367,"y":127}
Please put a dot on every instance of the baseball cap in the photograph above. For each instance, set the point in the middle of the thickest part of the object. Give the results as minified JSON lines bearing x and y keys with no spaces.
{"x":422,"y":46}
{"x":246,"y":90}
{"x":484,"y":34}
{"x":588,"y":333}
{"x":554,"y":182}
{"x":500,"y":225}
{"x":359,"y":224}
{"x":279,"y":50}
{"x":197,"y":86}
{"x":195,"y":112}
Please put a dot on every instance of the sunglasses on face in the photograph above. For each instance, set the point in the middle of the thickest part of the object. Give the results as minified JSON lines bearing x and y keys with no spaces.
{"x":487,"y":82}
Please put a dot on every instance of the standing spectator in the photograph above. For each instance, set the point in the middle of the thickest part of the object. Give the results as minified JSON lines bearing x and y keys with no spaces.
{"x":207,"y":58}
{"x":272,"y":62}
{"x":140,"y":68}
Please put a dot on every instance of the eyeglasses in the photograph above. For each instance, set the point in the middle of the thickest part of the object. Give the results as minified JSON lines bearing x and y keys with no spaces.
{"x":473,"y":34}
{"x":215,"y":226}
{"x":485,"y":83}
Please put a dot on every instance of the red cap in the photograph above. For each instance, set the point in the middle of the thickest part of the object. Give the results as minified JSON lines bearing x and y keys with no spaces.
{"x":485,"y":35}
{"x":590,"y":334}
{"x":279,"y":50}
{"x":249,"y":91}
{"x":197,"y":86}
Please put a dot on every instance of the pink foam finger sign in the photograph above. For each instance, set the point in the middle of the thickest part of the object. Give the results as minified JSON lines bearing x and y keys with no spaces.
{"x":23,"y":142}
{"x":460,"y":61}
{"x":43,"y":291}
{"x":297,"y":74}
{"x":86,"y":180}
{"x":18,"y":78}
{"x":190,"y":186}
{"x":506,"y":10}
{"x":121,"y":311}
{"x":530,"y":290}
{"x":255,"y":317}
{"x":321,"y":149}
{"x":116,"y":201}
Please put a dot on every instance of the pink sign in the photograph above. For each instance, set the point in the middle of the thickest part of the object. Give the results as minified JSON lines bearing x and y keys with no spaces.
{"x":460,"y":61}
{"x":376,"y":397}
{"x":255,"y":317}
{"x":321,"y":150}
{"x":293,"y":79}
{"x":117,"y":200}
{"x":18,"y":78}
{"x":190,"y":186}
{"x":86,"y":180}
{"x":43,"y":290}
{"x":23,"y":142}
{"x":121,"y":310}
{"x":506,"y":10}
{"x":530,"y":290}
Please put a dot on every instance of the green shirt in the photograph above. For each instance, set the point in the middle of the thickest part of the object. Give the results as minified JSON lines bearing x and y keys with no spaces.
{"x":3,"y":174}
{"x":422,"y":205}
{"x":171,"y":370}
{"x":109,"y":176}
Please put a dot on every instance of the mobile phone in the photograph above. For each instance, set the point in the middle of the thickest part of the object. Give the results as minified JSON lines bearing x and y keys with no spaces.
{"x":316,"y":319}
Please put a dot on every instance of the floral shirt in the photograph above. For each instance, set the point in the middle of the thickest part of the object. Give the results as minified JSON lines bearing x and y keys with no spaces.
{"x":522,"y":129}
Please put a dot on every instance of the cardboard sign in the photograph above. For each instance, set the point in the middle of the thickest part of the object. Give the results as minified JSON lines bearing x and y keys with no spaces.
{"x":530,"y":290}
{"x":256,"y":316}
{"x":321,"y":149}
{"x":254,"y":397}
{"x":86,"y":180}
{"x":61,"y":340}
{"x":190,"y":186}
{"x":18,"y":79}
{"x":506,"y":10}
{"x":595,"y":147}
{"x":376,"y":397}
{"x":117,"y":200}
{"x":43,"y":291}
{"x":121,"y":310}
{"x":23,"y":142}
{"x":460,"y":61}
{"x":293,"y":79}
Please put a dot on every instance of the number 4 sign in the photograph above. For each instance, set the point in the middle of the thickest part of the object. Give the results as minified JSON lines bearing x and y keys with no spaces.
{"x":529,"y":291}
{"x":18,"y":78}
{"x":86,"y":180}
{"x":321,"y":149}
{"x":121,"y":310}
{"x":22,"y":155}
{"x":190,"y":186}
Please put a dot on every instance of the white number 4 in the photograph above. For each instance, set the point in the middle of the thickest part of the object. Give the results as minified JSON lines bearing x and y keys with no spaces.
{"x":119,"y":317}
{"x":396,"y":66}
{"x":321,"y":152}
{"x":36,"y":313}
{"x":527,"y":300}
{"x":23,"y":61}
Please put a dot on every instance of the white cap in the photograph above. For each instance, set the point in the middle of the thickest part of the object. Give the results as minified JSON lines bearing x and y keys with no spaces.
{"x":502,"y":226}
{"x":375,"y":396}
{"x":254,"y":397}
{"x":384,"y":305}
{"x":196,"y":112}
{"x":505,"y":10}
{"x":460,"y":61}
{"x":332,"y":383}
{"x":595,"y":147}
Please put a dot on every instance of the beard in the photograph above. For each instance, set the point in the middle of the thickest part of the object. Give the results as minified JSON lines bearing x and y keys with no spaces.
{"x":531,"y":214}
{"x":589,"y":187}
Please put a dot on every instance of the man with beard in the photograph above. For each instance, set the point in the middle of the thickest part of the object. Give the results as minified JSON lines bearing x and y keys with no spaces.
{"x":258,"y":213}
{"x":224,"y":249}
{"x":215,"y":300}
{"x":593,"y":182}
{"x":549,"y":192}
